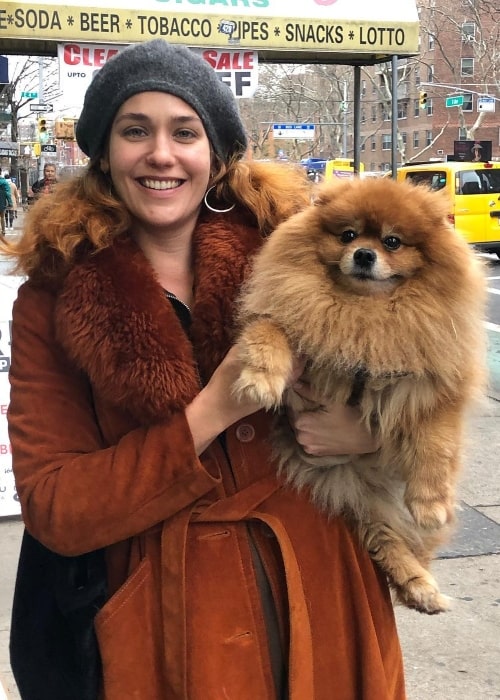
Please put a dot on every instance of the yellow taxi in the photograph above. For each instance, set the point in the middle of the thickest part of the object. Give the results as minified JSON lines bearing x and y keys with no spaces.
{"x":474,"y":190}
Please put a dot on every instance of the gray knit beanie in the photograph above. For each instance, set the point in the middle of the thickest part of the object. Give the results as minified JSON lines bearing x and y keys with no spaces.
{"x":161,"y":67}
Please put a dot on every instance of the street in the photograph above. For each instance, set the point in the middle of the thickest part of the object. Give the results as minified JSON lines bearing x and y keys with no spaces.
{"x":493,"y":325}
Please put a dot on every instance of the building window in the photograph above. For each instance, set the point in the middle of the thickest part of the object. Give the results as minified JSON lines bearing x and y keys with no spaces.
{"x":417,"y":76}
{"x":462,"y":134}
{"x":431,"y":42}
{"x":363,"y":88}
{"x":430,"y":74}
{"x":363,"y":146}
{"x":373,"y":143}
{"x":416,"y":108}
{"x":429,"y":109}
{"x":467,"y":67}
{"x":386,"y":142}
{"x":402,"y":109}
{"x":468,"y":31}
{"x":428,"y":138}
{"x":404,"y":137}
{"x":468,"y":102}
{"x":374,"y":113}
{"x":416,"y":139}
{"x":363,"y":116}
{"x":386,"y":114}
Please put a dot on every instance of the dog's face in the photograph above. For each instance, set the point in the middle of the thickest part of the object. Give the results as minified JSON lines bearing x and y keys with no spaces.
{"x":372,"y":235}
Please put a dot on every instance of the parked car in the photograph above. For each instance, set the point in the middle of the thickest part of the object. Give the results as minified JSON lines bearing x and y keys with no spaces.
{"x":474,"y":191}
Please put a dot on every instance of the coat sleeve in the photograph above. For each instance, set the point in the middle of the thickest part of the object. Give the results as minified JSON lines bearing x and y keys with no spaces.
{"x":77,"y":493}
{"x":8,"y":193}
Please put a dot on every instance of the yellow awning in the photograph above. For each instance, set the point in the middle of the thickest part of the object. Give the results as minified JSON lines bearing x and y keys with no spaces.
{"x":302,"y":31}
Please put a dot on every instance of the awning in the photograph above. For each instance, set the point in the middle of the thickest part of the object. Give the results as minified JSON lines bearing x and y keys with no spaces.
{"x":357,"y":32}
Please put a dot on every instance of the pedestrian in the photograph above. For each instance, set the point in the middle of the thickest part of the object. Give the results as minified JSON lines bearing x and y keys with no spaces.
{"x":46,"y":184}
{"x":5,"y":202}
{"x":11,"y":213}
{"x":130,"y":451}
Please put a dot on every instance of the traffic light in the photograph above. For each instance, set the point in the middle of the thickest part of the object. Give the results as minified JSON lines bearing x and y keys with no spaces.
{"x":43,"y":133}
{"x":423,"y":99}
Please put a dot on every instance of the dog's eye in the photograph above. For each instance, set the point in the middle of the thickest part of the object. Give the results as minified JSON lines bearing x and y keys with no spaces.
{"x":392,"y":242}
{"x":348,"y":236}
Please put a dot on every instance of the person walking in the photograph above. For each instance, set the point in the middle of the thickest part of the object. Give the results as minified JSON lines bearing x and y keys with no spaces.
{"x":11,"y":213}
{"x":5,"y":202}
{"x":164,"y":557}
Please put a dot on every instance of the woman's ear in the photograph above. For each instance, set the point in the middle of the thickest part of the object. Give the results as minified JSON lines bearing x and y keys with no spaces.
{"x":104,"y":165}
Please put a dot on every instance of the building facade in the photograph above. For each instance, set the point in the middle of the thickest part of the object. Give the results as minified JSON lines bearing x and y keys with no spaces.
{"x":445,"y":94}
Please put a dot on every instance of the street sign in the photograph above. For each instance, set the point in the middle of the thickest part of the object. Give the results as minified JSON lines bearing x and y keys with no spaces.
{"x":293,"y":131}
{"x":29,"y":95}
{"x":455,"y":101}
{"x":48,"y":148}
{"x":38,"y":107}
{"x":9,"y":148}
{"x":485,"y":104}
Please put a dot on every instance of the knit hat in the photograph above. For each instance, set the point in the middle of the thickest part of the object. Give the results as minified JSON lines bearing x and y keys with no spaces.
{"x":161,"y":67}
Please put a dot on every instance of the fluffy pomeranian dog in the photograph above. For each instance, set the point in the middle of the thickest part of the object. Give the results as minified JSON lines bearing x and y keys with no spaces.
{"x":373,"y":287}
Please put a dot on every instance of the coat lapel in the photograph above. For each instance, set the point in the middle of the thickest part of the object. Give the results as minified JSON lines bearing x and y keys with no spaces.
{"x":115,"y":323}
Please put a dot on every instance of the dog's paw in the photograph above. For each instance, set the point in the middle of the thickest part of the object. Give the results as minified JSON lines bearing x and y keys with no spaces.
{"x":262,"y":387}
{"x":430,"y":515}
{"x":423,"y":595}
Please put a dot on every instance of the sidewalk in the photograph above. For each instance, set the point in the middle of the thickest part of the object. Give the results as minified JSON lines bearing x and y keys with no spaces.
{"x":454,"y":656}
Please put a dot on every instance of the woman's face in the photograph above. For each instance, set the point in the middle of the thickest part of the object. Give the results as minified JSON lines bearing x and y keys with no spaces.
{"x":159,"y":160}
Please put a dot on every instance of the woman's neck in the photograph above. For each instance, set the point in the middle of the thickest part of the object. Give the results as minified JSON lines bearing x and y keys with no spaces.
{"x":171,"y":259}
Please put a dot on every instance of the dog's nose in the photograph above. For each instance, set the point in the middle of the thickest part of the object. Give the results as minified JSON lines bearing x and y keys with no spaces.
{"x":365,"y":257}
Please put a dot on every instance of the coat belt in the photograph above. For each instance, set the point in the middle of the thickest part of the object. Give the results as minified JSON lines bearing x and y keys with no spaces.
{"x":239,"y":507}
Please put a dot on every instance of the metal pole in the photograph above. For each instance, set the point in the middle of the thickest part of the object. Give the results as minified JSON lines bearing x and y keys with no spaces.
{"x":344,"y":130}
{"x":357,"y":119}
{"x":41,"y":161}
{"x":394,"y":117}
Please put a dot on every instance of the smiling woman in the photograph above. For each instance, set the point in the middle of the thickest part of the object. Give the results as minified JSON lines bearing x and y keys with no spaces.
{"x":159,"y":160}
{"x":148,"y":490}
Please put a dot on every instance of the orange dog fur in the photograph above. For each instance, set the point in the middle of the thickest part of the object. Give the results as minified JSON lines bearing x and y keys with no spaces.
{"x":385,"y":301}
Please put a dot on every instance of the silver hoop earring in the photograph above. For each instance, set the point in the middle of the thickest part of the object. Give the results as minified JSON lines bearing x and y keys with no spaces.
{"x":216,"y":211}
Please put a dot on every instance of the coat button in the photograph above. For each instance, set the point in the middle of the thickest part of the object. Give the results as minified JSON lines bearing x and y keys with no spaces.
{"x":245,"y":432}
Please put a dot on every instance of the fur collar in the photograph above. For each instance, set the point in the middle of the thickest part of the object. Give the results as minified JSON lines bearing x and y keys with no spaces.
{"x":115,"y":323}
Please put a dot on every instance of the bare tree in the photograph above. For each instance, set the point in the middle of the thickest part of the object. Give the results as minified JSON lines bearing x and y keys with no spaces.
{"x":25,"y":78}
{"x":475,"y":26}
{"x":297,"y":94}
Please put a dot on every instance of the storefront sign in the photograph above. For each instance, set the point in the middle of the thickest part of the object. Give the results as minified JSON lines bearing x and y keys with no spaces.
{"x":361,"y":26}
{"x":78,"y":62}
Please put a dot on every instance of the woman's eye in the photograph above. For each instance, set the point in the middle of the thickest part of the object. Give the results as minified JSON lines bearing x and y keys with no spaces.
{"x":392,"y":242}
{"x":348,"y":236}
{"x":134,"y":131}
{"x":185,"y":134}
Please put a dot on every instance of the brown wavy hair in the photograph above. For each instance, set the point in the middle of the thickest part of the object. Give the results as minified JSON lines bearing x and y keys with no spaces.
{"x":84,"y":215}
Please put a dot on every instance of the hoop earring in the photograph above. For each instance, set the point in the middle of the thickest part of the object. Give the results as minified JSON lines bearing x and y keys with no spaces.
{"x":216,"y":211}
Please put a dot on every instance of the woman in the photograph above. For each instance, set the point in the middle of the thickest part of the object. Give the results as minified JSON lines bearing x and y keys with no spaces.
{"x":11,"y":213}
{"x":221,"y":582}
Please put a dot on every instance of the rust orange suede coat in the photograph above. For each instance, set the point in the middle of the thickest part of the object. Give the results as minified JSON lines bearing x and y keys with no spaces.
{"x":103,"y":457}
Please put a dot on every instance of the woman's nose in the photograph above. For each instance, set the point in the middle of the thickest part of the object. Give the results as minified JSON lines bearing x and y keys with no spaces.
{"x":162,"y":151}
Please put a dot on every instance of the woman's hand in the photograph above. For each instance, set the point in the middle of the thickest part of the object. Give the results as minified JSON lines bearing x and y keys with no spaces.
{"x":334,"y":429}
{"x":215,"y":408}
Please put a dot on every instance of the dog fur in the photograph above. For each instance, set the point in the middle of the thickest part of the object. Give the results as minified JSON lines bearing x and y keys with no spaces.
{"x":385,"y":301}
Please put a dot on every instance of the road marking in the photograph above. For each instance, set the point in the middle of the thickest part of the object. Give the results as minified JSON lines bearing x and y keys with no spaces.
{"x":492,"y":326}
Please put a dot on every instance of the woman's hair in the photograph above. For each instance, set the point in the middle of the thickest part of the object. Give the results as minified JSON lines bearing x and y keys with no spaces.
{"x":83,"y":215}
